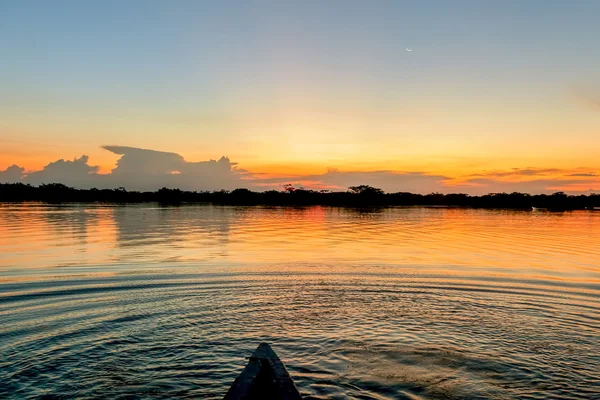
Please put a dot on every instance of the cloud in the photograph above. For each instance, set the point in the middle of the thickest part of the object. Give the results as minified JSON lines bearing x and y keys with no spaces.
{"x":137,"y":161}
{"x":531,"y":180}
{"x":73,"y":173}
{"x":12,"y":174}
{"x":584,"y":174}
{"x":484,"y":185}
{"x":390,"y":181}
{"x":137,"y":169}
{"x":588,"y":97}
{"x":520,"y":172}
{"x":142,"y":169}
{"x":147,"y":170}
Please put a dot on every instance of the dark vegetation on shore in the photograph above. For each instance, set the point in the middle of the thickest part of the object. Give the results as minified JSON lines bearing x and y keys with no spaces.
{"x":356,"y":196}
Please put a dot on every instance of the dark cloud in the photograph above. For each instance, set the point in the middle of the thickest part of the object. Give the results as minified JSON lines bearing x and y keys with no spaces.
{"x":531,"y":180}
{"x":390,"y":181}
{"x":137,"y":169}
{"x":589,"y":174}
{"x":135,"y":161}
{"x":485,"y":185}
{"x":520,"y":172}
{"x":146,"y":170}
{"x":142,"y":169}
{"x":12,"y":174}
{"x":76,"y":173}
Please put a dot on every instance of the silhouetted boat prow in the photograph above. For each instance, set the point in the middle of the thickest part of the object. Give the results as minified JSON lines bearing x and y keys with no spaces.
{"x":265,"y":377}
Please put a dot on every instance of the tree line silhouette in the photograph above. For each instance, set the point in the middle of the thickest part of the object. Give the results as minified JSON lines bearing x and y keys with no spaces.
{"x":355,"y":196}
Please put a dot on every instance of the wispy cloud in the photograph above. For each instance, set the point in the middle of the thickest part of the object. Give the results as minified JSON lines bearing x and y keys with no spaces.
{"x":484,"y":185}
{"x":390,"y":181}
{"x":519,"y":172}
{"x":530,"y":173}
{"x":588,"y":96}
{"x":532,"y":180}
{"x":588,"y":174}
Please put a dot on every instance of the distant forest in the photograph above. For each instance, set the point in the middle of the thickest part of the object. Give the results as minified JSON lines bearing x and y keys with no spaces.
{"x":355,"y":196}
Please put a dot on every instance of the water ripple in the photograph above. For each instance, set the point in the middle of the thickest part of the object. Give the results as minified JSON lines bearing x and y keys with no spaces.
{"x":150,"y":302}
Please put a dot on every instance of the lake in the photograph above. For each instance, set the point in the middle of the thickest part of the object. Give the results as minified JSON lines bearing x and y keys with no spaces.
{"x":144,"y":301}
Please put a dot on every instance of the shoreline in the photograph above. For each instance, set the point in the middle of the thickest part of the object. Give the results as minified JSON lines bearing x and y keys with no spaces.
{"x":356,"y":197}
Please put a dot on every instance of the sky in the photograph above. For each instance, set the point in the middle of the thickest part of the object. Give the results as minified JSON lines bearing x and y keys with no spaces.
{"x":493,"y":96}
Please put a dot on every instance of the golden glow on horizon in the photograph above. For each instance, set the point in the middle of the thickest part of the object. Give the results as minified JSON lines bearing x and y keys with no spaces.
{"x":304,"y":130}
{"x":458,"y":172}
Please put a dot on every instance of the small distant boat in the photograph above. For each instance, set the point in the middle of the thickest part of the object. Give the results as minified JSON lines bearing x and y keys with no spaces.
{"x":538,"y":209}
{"x":265,"y":377}
{"x":594,"y":208}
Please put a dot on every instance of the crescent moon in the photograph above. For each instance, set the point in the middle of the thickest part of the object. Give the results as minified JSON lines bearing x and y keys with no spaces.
{"x":407,"y":49}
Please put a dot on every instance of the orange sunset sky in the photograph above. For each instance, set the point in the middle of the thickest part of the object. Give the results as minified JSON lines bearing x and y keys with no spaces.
{"x":423,"y":97}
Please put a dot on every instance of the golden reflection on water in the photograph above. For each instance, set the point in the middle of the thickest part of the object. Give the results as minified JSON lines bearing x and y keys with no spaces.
{"x":90,"y":239}
{"x":421,"y":303}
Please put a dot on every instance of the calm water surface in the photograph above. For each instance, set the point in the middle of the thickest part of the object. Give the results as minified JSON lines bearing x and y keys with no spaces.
{"x":414,"y":303}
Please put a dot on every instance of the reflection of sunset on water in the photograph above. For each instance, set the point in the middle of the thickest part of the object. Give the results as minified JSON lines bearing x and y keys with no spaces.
{"x":394,"y":300}
{"x":452,"y":241}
